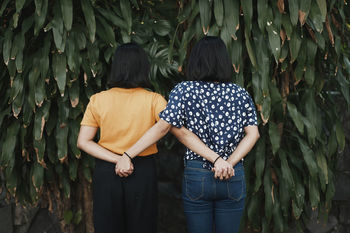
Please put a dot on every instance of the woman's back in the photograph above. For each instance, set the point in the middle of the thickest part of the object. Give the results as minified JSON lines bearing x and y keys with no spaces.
{"x":216,"y":112}
{"x":123,"y":115}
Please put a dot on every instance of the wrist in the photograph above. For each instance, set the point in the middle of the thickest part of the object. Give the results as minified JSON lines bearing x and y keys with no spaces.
{"x":232,"y":161}
{"x":114,"y":158}
{"x":217,"y":158}
{"x":127,"y":155}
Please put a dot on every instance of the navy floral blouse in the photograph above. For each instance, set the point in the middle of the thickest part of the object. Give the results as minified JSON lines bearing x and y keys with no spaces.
{"x":216,"y":112}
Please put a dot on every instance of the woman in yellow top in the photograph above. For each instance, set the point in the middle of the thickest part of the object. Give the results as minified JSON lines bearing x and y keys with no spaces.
{"x":123,"y":114}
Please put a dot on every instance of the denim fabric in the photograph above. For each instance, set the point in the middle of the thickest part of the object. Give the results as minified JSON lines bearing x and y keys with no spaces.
{"x":211,"y":203}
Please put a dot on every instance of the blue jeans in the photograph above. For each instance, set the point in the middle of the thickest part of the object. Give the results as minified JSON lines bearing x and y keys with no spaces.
{"x":210,"y":203}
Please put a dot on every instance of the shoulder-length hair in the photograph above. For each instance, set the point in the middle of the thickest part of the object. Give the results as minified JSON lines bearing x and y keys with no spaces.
{"x":209,"y":61}
{"x":130,"y":67}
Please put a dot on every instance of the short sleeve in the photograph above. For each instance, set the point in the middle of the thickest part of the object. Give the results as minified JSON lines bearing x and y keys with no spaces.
{"x":159,"y":105}
{"x":90,"y":116}
{"x":174,"y":111}
{"x":249,"y":113}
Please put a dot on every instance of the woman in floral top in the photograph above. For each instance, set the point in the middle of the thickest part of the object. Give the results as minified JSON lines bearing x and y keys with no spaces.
{"x":223,"y":116}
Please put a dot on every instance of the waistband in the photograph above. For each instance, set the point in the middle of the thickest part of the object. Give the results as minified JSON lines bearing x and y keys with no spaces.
{"x":199,"y":164}
{"x":138,"y":159}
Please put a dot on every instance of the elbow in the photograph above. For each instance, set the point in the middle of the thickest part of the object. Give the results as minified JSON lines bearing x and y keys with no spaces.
{"x":179,"y":133}
{"x":80,"y":144}
{"x":253,"y":133}
{"x":165,"y":130}
{"x":256,"y":135}
{"x":163,"y":127}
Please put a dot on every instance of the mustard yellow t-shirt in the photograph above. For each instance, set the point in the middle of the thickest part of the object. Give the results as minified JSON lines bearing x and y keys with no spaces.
{"x":123,"y":116}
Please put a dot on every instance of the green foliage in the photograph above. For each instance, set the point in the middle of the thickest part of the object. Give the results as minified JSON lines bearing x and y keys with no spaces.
{"x":292,"y":56}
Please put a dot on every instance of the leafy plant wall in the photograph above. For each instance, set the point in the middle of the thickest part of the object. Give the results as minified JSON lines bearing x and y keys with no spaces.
{"x":291,"y":55}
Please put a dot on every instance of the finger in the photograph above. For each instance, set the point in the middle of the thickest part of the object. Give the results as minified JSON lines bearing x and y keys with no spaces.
{"x":224,"y":172}
{"x":126,"y":171}
{"x":129,"y":172}
{"x":120,"y":174}
{"x":229,"y":173}
{"x":217,"y":173}
{"x":123,"y":173}
{"x":226,"y":175}
{"x":117,"y":170}
{"x":232,"y":173}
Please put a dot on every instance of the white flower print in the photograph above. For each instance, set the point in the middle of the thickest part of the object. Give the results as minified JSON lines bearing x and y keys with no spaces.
{"x":222,"y":109}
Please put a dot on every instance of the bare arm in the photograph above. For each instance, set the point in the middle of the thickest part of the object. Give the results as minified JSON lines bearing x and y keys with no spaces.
{"x":86,"y":143}
{"x":185,"y":136}
{"x":222,"y":168}
{"x":159,"y":130}
{"x":245,"y":145}
{"x":191,"y":141}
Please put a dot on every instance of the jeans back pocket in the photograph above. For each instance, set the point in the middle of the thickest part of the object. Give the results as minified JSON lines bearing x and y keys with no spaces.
{"x":236,"y":187}
{"x":194,"y":187}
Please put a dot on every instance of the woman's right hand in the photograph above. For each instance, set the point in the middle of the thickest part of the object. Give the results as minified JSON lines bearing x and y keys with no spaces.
{"x":223,"y":169}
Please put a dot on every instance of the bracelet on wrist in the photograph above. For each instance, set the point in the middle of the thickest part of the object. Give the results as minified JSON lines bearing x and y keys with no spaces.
{"x":127,"y":155}
{"x":216,"y":160}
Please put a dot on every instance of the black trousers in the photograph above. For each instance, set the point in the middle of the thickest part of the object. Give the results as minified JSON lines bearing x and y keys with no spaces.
{"x":125,"y":205}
